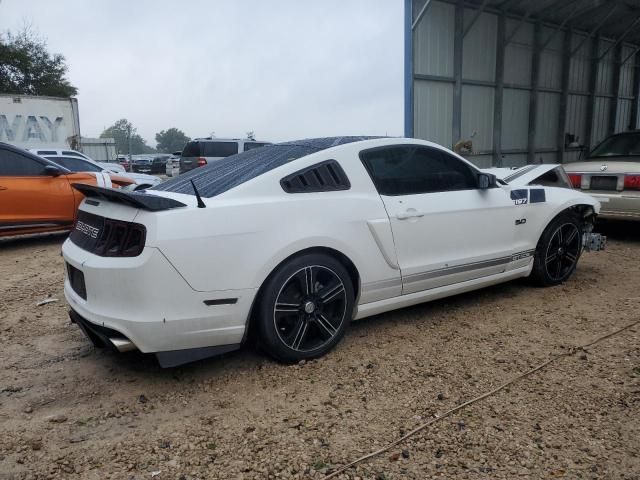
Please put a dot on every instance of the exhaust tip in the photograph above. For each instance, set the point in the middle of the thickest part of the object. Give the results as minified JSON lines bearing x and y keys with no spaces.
{"x":123,"y":344}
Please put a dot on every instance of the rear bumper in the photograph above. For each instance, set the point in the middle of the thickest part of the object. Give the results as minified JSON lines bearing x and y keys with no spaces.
{"x":107,"y":338}
{"x":126,"y":298}
{"x":102,"y":337}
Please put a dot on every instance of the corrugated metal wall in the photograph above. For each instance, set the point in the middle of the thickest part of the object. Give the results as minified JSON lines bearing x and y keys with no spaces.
{"x":433,"y":87}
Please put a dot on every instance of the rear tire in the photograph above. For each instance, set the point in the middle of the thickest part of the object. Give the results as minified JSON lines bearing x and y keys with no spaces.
{"x":558,"y":250}
{"x":305,"y":308}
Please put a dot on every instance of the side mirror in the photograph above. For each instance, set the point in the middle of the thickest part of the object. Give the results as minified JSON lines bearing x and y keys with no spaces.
{"x":486,"y":180}
{"x":52,"y":171}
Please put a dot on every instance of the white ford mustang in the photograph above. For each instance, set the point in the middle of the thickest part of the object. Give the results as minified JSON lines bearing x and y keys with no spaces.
{"x":295,"y":240}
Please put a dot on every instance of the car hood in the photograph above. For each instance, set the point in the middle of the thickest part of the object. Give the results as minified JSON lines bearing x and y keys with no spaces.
{"x":141,"y":178}
{"x":523,"y":175}
{"x":613,"y":165}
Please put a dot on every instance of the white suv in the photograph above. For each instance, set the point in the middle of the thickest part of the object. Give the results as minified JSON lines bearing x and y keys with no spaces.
{"x":201,"y":151}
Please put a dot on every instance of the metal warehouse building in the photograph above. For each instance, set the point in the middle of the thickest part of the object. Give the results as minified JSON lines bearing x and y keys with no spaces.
{"x":526,"y":80}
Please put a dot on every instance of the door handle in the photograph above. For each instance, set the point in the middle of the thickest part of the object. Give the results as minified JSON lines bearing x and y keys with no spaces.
{"x":3,"y":188}
{"x":409,"y":213}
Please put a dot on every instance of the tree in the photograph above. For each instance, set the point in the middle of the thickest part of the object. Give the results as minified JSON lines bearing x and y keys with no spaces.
{"x":26,"y":67}
{"x":121,"y":131}
{"x":171,"y":140}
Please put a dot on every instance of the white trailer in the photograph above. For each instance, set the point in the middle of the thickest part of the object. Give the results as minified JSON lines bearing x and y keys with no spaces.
{"x":39,"y":122}
{"x":99,"y":149}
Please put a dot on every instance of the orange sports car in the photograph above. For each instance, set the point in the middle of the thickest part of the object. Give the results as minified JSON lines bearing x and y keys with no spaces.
{"x":36,"y":194}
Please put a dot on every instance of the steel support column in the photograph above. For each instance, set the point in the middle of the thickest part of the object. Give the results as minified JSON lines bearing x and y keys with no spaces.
{"x":408,"y":68}
{"x":635,"y":106}
{"x":458,"y":39}
{"x":593,"y":83}
{"x":499,"y":91}
{"x":613,"y":106}
{"x":564,"y":96}
{"x":533,"y":96}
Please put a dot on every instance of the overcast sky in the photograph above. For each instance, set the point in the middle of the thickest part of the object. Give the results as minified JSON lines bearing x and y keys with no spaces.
{"x":285,"y":69}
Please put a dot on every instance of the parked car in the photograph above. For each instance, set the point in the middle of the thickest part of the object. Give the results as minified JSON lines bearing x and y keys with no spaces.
{"x":173,"y":165}
{"x":111,"y":166}
{"x":76,"y":164}
{"x":301,"y":237}
{"x":123,"y":160}
{"x":202,"y":151}
{"x":36,"y":195}
{"x":159,"y":164}
{"x":611,"y":174}
{"x":142,"y":163}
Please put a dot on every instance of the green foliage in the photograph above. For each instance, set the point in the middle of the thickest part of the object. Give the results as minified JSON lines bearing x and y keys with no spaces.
{"x":120,"y":131}
{"x":26,"y":67}
{"x":171,"y":140}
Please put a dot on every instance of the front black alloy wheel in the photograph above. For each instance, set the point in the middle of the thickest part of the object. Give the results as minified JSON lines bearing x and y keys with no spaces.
{"x":305,"y":308}
{"x":562,"y":251}
{"x":558,"y":250}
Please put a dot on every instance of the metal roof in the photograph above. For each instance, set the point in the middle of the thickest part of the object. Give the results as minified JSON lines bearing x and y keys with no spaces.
{"x":617,"y":20}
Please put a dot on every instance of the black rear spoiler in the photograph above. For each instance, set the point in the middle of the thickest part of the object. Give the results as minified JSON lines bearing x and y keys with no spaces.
{"x":141,"y":200}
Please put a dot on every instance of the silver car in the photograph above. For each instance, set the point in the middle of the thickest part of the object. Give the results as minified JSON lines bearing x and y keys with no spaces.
{"x":611,"y":174}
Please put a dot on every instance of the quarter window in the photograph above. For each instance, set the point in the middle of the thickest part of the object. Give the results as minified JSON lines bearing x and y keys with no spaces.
{"x":13,"y":164}
{"x":410,"y":170}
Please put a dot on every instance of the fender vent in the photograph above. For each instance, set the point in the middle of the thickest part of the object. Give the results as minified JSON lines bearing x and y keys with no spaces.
{"x":323,"y":177}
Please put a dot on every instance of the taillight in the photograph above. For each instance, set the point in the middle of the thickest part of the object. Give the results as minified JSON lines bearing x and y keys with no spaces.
{"x":576,"y":179}
{"x":632,"y":182}
{"x":202,"y":161}
{"x":120,"y":239}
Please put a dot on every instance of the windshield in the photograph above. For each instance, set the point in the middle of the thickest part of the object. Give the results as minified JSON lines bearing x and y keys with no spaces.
{"x":618,"y":145}
{"x":75,"y":164}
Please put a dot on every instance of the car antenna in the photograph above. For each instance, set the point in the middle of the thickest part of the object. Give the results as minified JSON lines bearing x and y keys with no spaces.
{"x":200,"y":202}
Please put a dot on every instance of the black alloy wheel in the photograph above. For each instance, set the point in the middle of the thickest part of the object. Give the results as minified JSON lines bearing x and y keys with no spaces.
{"x":558,"y":250}
{"x":310,"y":308}
{"x":563,"y":251}
{"x":306,"y":307}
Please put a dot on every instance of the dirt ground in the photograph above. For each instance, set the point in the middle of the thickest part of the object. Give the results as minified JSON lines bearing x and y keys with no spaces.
{"x":70,"y":411}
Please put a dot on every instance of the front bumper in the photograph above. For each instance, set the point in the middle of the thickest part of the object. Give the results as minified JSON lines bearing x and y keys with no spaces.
{"x":128,"y":297}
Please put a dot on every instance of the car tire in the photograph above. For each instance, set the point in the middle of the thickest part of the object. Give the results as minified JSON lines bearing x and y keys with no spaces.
{"x":558,"y":250}
{"x":305,"y":308}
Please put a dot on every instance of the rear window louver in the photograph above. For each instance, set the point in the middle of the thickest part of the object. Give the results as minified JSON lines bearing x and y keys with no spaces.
{"x":322,"y":177}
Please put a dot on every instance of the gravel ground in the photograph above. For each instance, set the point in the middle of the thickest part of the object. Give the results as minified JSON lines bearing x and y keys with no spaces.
{"x":70,"y":411}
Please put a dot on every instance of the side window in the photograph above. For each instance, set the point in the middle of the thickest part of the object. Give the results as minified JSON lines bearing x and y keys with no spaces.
{"x":326,"y":176}
{"x":219,"y":149}
{"x":13,"y":164}
{"x":409,"y":170}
